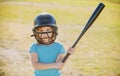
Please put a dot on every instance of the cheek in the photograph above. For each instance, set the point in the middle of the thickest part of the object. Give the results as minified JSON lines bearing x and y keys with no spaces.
{"x":50,"y":34}
{"x":38,"y":35}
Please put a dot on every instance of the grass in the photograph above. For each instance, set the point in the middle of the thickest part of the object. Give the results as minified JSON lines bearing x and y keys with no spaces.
{"x":97,"y":52}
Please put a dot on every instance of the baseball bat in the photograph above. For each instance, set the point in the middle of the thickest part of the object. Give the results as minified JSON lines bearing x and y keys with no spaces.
{"x":88,"y":24}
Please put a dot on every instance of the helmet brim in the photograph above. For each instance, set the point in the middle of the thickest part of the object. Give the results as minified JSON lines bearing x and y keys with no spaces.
{"x":43,"y":25}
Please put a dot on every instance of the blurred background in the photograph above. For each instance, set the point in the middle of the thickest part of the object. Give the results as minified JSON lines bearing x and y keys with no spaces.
{"x":98,"y":52}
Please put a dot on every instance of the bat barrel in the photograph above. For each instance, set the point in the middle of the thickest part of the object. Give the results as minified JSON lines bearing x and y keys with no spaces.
{"x":89,"y":23}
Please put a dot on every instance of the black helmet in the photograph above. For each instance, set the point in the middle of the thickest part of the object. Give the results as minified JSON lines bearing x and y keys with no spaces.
{"x":45,"y":19}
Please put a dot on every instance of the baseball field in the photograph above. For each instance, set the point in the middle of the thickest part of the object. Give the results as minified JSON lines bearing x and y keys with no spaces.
{"x":97,"y":53}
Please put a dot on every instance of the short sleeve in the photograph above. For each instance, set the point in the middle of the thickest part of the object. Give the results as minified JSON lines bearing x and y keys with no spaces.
{"x":62,"y":50}
{"x":33,"y":48}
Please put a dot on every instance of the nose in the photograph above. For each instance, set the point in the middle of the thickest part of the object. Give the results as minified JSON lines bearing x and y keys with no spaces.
{"x":44,"y":36}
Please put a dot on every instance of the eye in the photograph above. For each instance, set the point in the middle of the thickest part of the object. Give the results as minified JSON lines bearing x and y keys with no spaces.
{"x":41,"y":31}
{"x":48,"y":30}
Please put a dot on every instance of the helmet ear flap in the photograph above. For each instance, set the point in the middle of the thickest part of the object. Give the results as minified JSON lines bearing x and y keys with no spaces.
{"x":56,"y":30}
{"x":33,"y":30}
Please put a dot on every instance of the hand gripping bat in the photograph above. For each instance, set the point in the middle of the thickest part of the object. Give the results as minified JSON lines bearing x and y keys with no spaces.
{"x":89,"y":23}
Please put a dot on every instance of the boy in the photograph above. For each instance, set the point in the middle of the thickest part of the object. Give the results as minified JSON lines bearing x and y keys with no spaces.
{"x":46,"y":54}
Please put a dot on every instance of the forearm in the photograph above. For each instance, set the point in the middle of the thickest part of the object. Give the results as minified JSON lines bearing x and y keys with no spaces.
{"x":43,"y":66}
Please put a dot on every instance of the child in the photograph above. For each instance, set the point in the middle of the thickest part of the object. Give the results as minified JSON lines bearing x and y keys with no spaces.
{"x":46,"y":54}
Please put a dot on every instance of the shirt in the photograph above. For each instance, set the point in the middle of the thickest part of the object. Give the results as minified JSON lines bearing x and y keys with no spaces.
{"x":47,"y":54}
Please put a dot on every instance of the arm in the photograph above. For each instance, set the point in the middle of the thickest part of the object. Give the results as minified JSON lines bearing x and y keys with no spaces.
{"x":60,"y":57}
{"x":71,"y":50}
{"x":41,"y":66}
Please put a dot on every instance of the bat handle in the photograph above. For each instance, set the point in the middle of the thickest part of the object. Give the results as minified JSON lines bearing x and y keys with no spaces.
{"x":66,"y":56}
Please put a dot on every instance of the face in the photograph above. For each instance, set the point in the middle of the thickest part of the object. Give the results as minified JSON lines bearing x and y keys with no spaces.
{"x":45,"y":33}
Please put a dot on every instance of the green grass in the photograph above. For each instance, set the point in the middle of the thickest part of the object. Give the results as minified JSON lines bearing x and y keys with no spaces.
{"x":97,"y":52}
{"x":69,"y":13}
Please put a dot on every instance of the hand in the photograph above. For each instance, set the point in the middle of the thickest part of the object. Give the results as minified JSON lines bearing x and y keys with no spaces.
{"x":59,"y":65}
{"x":71,"y":50}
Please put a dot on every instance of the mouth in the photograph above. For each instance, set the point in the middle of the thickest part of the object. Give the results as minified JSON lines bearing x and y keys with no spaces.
{"x":46,"y":40}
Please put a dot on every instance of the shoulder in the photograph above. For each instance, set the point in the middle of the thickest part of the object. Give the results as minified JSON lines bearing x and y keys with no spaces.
{"x":59,"y":45}
{"x":33,"y":44}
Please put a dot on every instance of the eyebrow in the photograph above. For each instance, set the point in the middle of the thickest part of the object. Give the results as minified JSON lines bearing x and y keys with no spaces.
{"x":43,"y":32}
